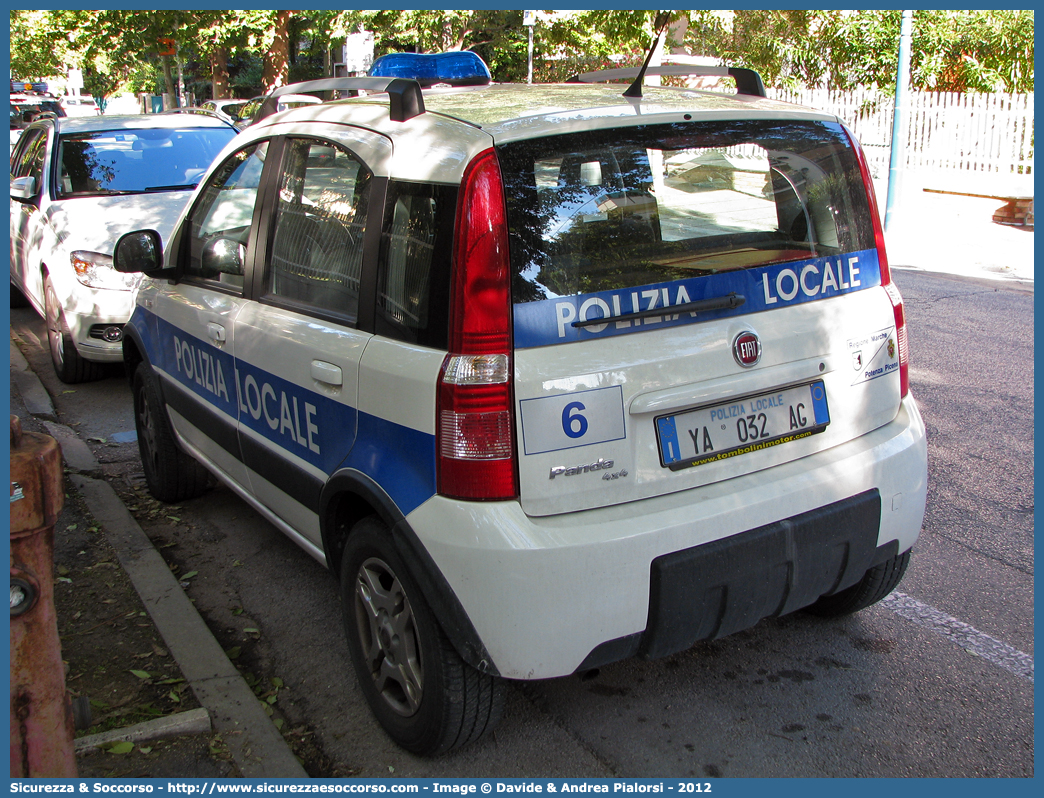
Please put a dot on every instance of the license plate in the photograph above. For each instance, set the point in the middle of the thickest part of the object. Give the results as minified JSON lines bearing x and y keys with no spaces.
{"x":740,"y":426}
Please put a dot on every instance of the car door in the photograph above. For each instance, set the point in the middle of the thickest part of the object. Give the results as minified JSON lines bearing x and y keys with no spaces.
{"x":298,"y":348}
{"x":28,"y":223}
{"x":191,"y":321}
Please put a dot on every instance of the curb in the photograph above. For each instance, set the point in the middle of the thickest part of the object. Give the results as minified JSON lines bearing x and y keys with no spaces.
{"x":37,"y":400}
{"x":256,"y":745}
{"x":195,"y":721}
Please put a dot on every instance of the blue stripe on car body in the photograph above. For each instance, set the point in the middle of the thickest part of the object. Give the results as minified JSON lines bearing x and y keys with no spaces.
{"x":291,"y":417}
{"x":550,"y":321}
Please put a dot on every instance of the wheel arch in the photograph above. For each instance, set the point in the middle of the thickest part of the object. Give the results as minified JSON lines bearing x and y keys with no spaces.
{"x":39,"y":304}
{"x":350,"y":496}
{"x":134,"y":352}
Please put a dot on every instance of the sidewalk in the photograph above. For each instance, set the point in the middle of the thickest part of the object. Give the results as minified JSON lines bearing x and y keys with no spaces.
{"x":158,"y":681}
{"x":955,"y":233}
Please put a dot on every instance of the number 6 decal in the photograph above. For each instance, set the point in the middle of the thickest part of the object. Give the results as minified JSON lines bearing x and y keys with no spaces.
{"x":569,"y":420}
{"x":573,"y":424}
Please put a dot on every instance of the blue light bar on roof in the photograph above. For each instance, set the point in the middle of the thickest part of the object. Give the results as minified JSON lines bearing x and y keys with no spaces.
{"x":458,"y":68}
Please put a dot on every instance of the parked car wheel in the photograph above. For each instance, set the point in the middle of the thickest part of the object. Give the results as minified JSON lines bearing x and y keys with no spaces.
{"x":68,"y":364}
{"x":172,"y":476}
{"x":876,"y":583}
{"x":424,"y":695}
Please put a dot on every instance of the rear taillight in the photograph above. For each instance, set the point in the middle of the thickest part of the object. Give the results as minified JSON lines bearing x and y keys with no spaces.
{"x":475,"y":422}
{"x":886,"y":275}
{"x":900,"y":336}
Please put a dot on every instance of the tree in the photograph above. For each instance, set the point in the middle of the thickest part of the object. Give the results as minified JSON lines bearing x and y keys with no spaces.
{"x":276,"y":67}
{"x":973,"y":50}
{"x":952,"y":50}
{"x":260,"y":49}
{"x":589,"y":40}
{"x":36,"y":50}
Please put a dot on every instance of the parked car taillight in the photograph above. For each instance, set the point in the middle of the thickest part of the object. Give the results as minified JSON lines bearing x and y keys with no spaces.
{"x":475,"y":422}
{"x":886,"y":275}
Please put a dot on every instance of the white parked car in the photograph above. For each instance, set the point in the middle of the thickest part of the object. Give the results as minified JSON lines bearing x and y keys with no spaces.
{"x":284,"y":102}
{"x":228,"y":109}
{"x":548,"y":376}
{"x":80,"y":105}
{"x":27,"y":107}
{"x":77,"y":184}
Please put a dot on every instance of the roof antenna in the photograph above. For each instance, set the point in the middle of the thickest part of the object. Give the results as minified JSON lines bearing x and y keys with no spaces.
{"x":660,"y":25}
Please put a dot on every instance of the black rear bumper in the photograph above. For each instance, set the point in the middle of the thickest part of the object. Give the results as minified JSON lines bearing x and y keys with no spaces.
{"x":718,"y":588}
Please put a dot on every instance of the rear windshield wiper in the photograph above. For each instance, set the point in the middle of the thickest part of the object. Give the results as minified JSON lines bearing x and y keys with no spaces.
{"x":727,"y":302}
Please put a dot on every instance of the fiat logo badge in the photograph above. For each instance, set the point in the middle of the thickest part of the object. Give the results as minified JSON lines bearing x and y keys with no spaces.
{"x":747,"y":349}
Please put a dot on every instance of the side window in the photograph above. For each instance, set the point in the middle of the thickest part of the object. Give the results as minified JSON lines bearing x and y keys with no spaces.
{"x":413,"y":277}
{"x":317,"y":240}
{"x":219,"y":225}
{"x":29,"y":158}
{"x":249,"y":110}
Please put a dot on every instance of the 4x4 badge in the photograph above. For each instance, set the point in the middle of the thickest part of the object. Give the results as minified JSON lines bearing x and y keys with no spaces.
{"x":747,"y":348}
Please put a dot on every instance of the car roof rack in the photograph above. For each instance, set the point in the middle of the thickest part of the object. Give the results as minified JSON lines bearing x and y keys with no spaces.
{"x":747,"y":80}
{"x":406,"y":100}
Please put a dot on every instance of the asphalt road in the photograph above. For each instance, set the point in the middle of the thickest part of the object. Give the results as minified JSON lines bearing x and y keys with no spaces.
{"x":935,"y":681}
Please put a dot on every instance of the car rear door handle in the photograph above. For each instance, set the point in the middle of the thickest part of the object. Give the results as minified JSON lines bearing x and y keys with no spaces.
{"x":327,"y":373}
{"x":216,"y":332}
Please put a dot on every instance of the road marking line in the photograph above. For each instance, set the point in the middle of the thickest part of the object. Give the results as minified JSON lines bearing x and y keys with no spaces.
{"x":964,"y":635}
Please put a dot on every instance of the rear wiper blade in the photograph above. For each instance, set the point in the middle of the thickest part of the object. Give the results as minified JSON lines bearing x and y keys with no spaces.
{"x":727,"y":302}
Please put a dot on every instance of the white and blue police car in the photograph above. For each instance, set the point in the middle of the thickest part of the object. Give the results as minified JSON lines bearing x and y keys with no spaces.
{"x":549,"y":376}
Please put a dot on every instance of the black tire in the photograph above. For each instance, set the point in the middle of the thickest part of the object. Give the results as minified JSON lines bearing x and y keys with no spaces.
{"x":172,"y":476}
{"x":70,"y":367}
{"x":423,"y":694}
{"x":876,"y":583}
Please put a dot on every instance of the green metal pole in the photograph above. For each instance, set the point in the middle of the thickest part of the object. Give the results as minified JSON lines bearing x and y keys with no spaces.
{"x":897,"y":160}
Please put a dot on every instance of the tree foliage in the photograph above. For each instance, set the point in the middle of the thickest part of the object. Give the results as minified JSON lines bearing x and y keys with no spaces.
{"x":973,"y":50}
{"x":951,"y":50}
{"x":248,"y":51}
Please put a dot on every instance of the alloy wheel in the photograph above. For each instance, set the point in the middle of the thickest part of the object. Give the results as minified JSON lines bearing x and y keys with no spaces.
{"x":388,"y":634}
{"x":147,"y":432}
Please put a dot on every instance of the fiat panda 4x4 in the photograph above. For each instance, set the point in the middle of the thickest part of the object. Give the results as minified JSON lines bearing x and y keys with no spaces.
{"x":548,"y":376}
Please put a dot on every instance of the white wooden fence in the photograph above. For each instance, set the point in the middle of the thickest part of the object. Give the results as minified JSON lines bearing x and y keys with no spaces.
{"x":990,"y":133}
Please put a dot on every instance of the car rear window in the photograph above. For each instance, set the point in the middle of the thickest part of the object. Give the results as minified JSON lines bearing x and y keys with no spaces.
{"x":607,"y":210}
{"x":24,"y":113}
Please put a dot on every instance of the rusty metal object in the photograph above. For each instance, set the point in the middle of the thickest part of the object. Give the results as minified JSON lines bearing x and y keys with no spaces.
{"x":41,"y":714}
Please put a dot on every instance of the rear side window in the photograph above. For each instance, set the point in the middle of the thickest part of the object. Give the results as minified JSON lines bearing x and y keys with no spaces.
{"x":611,"y":210}
{"x":413,"y":277}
